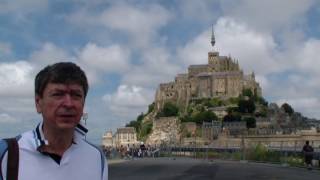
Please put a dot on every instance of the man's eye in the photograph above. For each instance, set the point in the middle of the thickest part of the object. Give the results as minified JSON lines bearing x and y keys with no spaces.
{"x":77,"y":95}
{"x":57,"y":94}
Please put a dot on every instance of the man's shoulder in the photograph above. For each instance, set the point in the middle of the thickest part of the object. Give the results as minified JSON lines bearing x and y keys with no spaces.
{"x":4,"y":144}
{"x":307,"y":148}
{"x":91,"y":146}
{"x":93,"y":150}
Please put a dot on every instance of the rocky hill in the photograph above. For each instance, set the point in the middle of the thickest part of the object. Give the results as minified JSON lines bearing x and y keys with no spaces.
{"x":215,"y":92}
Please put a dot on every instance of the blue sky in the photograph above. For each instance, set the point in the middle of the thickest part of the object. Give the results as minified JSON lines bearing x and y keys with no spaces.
{"x":128,"y":47}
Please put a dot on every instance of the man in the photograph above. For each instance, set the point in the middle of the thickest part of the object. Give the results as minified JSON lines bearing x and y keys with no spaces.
{"x":308,"y":154}
{"x":56,"y":149}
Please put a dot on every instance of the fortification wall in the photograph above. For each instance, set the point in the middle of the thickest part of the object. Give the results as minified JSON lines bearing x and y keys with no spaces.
{"x":165,"y":130}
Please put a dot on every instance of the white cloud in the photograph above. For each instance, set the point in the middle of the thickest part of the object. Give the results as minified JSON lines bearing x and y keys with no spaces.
{"x":49,"y":54}
{"x":16,"y":79}
{"x":107,"y":59}
{"x":6,"y":118}
{"x":268,"y":15}
{"x":254,"y":50}
{"x":263,"y":82}
{"x":156,"y":67}
{"x":196,"y":50}
{"x":128,"y":101}
{"x":140,"y":22}
{"x":21,"y":8}
{"x":308,"y":57}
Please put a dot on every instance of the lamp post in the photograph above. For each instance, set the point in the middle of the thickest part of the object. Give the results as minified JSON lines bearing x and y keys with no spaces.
{"x":84,"y":118}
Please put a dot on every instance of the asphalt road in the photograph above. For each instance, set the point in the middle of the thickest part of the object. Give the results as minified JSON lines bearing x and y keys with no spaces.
{"x":190,"y":169}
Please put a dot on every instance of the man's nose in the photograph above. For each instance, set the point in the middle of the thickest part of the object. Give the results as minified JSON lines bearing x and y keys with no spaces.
{"x":67,"y":100}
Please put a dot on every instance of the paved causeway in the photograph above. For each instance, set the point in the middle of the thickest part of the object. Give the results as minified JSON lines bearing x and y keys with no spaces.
{"x":190,"y":169}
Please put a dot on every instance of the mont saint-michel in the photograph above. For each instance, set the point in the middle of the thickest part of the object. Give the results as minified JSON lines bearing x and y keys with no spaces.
{"x":215,"y":104}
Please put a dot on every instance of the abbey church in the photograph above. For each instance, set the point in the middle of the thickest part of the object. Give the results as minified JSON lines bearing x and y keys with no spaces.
{"x":221,"y":77}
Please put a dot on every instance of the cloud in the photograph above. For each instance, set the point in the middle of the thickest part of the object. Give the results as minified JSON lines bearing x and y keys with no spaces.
{"x":308,"y":105}
{"x":139,"y":22}
{"x":112,"y":59}
{"x":268,"y":15}
{"x":6,"y":118}
{"x":195,"y":51}
{"x":157,"y":65}
{"x":307,"y":57}
{"x":128,"y":101}
{"x":49,"y":53}
{"x":198,"y":10}
{"x":16,"y":79}
{"x":20,"y":9}
{"x":254,"y":50}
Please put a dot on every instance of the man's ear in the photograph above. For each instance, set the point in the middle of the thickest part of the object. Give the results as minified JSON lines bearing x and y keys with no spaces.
{"x":38,"y":101}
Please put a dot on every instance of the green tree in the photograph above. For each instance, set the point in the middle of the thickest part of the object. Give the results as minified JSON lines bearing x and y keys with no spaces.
{"x":251,"y":122}
{"x":247,"y":106}
{"x":204,"y":116}
{"x":287,"y":108}
{"x":145,"y":129}
{"x":247,"y":92}
{"x":169,"y":109}
{"x":262,"y":101}
{"x":140,"y":117}
{"x":134,"y":124}
{"x":151,"y":107}
{"x":214,"y":102}
{"x":232,"y":117}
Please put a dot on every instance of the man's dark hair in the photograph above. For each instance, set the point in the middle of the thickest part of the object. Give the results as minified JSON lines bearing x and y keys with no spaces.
{"x":62,"y":72}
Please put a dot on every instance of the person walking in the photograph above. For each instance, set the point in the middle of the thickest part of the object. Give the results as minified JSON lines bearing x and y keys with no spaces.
{"x":308,"y":154}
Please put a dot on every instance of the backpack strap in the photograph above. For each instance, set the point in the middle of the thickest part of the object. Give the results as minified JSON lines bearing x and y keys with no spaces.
{"x":13,"y":159}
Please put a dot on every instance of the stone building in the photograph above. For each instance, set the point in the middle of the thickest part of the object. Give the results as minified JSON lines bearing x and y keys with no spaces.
{"x":221,"y":77}
{"x":107,"y":139}
{"x":211,"y":130}
{"x":125,"y":136}
{"x":235,"y":128}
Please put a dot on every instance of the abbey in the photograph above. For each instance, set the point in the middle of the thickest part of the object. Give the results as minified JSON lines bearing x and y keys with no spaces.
{"x":221,"y":77}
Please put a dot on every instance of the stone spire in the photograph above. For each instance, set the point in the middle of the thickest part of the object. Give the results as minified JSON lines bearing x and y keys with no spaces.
{"x":213,"y":39}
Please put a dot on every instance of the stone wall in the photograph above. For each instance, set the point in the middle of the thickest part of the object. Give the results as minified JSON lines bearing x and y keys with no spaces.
{"x":165,"y":130}
{"x":271,"y":141}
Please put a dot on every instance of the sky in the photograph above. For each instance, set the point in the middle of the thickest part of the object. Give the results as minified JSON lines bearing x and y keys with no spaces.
{"x":127,"y":48}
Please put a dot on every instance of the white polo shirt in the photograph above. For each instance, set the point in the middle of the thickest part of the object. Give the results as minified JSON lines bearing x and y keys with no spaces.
{"x":81,"y":161}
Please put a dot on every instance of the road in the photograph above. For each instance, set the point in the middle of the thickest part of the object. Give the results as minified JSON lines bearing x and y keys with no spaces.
{"x":191,"y":169}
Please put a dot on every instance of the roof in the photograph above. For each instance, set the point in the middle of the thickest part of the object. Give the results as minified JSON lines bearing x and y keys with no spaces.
{"x":198,"y":66}
{"x":126,"y":130}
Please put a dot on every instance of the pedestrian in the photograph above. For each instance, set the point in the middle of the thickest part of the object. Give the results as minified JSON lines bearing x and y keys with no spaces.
{"x":56,"y":149}
{"x":308,"y":154}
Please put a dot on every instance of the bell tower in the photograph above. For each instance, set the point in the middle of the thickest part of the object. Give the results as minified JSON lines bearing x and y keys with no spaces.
{"x":213,"y":56}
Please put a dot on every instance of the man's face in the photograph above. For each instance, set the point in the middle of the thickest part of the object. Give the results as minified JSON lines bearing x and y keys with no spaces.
{"x":61,"y":105}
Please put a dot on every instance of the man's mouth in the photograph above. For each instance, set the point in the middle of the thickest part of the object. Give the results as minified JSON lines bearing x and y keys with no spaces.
{"x":67,"y":115}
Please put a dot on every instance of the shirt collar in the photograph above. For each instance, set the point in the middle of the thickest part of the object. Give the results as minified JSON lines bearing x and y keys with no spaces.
{"x":79,"y":133}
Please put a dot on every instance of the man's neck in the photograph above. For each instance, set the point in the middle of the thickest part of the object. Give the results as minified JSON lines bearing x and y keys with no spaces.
{"x":59,"y":140}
